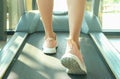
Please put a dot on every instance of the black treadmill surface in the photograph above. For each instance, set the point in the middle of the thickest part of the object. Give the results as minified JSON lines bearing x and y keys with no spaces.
{"x":33,"y":64}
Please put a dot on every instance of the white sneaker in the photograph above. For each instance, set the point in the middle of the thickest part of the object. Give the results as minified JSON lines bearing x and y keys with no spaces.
{"x":49,"y":46}
{"x":73,"y":64}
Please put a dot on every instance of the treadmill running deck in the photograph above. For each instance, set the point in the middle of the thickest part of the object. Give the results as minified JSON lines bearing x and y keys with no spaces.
{"x":33,"y":64}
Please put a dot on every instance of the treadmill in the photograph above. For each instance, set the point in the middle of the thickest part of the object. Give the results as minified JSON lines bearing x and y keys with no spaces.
{"x":22,"y":56}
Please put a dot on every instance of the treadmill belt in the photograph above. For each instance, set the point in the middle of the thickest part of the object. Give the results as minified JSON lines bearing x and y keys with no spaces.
{"x":33,"y":64}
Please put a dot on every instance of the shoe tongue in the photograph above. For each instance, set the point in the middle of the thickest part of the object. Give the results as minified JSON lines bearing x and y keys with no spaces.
{"x":50,"y":38}
{"x":70,"y":44}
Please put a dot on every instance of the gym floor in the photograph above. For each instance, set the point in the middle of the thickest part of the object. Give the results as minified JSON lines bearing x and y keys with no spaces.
{"x":2,"y":43}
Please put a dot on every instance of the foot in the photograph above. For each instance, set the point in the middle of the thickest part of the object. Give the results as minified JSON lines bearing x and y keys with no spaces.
{"x":72,"y":59}
{"x":50,"y":45}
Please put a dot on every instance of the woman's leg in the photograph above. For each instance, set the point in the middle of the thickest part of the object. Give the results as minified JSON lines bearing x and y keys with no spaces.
{"x":72,"y":59}
{"x":45,"y":8}
{"x":75,"y":12}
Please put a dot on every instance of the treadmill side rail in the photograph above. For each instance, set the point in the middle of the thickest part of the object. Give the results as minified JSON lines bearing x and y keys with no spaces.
{"x":111,"y":56}
{"x":10,"y":50}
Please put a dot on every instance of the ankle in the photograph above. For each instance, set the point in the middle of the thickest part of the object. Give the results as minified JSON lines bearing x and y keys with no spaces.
{"x":50,"y":35}
{"x":74,"y":41}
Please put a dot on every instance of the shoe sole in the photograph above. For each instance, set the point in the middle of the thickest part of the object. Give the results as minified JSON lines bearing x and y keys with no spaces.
{"x":50,"y":50}
{"x":73,"y":66}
